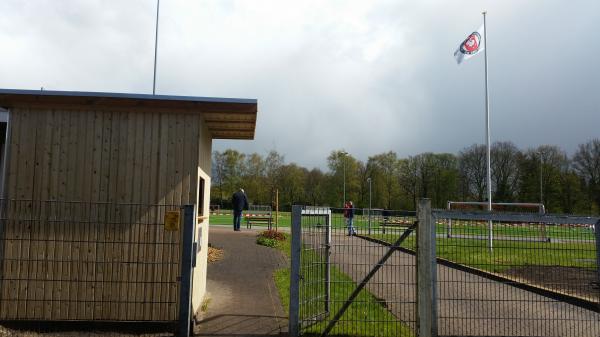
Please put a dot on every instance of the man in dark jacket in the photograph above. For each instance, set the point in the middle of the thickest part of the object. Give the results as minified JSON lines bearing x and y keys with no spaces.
{"x":239,"y":202}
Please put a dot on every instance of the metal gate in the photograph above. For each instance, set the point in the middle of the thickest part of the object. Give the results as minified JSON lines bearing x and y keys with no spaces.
{"x":345,"y":282}
{"x":406,"y":274}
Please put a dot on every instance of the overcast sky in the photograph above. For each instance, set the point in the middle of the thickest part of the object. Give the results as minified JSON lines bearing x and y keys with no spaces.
{"x":364,"y":76}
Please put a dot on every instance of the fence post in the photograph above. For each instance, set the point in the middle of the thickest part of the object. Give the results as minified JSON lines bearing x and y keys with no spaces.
{"x":426,"y":272}
{"x":449,"y":234}
{"x":597,"y":236}
{"x":294,"y":320}
{"x":185,"y":291}
{"x":327,"y":262}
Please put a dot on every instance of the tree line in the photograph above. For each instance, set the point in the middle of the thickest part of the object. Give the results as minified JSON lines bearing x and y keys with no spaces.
{"x":569,"y":184}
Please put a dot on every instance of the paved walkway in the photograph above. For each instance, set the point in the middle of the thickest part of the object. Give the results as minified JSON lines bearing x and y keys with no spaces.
{"x":243,"y":297}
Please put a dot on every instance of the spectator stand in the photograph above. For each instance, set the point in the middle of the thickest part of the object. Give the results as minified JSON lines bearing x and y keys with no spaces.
{"x":259,"y":214}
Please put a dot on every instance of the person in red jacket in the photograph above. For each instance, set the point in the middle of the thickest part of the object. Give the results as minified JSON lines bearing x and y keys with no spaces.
{"x":349,"y":215}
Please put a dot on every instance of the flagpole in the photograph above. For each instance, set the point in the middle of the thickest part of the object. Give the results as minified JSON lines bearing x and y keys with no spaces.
{"x":155,"y":47}
{"x":487,"y":122}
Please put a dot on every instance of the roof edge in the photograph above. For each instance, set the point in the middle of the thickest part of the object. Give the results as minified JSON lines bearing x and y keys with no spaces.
{"x":149,"y":97}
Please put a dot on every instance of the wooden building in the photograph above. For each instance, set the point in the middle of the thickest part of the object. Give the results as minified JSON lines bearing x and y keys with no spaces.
{"x":86,"y":179}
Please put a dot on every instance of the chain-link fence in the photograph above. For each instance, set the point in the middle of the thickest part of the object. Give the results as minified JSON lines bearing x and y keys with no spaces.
{"x":492,"y":274}
{"x":84,"y":261}
{"x":507,"y":274}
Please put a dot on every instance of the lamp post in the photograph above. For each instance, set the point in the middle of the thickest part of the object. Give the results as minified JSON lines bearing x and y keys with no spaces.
{"x":369,"y":181}
{"x":541,"y":180}
{"x":542,"y":193}
{"x":344,"y":153}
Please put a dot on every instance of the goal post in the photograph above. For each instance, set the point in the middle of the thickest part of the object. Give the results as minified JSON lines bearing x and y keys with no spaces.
{"x":524,"y":207}
{"x":527,"y":207}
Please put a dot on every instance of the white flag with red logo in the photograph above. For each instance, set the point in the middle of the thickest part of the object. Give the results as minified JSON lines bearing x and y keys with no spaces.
{"x":472,"y":45}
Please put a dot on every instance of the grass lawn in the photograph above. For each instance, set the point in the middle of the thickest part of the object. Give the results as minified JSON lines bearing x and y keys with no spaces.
{"x":520,"y":230}
{"x":507,"y":254}
{"x":481,"y":228}
{"x":365,"y":317}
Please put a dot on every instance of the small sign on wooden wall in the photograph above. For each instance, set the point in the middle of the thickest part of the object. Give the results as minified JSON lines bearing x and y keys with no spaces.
{"x":172,"y":220}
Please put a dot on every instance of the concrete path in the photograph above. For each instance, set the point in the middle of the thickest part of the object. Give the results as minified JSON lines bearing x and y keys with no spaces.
{"x":243,"y":297}
{"x":469,"y":305}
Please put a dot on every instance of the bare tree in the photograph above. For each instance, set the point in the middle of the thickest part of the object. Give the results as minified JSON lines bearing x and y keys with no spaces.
{"x":472,"y":171}
{"x":543,"y":165}
{"x":587,"y":163}
{"x":505,"y":170}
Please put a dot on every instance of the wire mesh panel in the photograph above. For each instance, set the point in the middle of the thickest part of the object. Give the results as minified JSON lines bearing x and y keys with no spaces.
{"x":314,"y":301}
{"x":339,"y":261}
{"x":87,"y":261}
{"x":517,"y":275}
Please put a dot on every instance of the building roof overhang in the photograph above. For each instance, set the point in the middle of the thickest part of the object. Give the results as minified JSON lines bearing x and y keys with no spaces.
{"x":226,"y":118}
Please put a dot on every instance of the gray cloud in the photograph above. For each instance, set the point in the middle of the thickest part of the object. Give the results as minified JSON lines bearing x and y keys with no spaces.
{"x":366,"y":76}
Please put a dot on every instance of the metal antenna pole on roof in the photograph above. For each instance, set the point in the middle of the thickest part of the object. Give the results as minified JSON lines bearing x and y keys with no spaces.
{"x":155,"y":47}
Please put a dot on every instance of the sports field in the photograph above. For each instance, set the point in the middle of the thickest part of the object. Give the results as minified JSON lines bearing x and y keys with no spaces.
{"x":513,"y":244}
{"x":458,"y":228}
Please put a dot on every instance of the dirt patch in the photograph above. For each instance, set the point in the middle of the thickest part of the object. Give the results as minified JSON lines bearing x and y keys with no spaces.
{"x":580,"y":282}
{"x":214,"y":254}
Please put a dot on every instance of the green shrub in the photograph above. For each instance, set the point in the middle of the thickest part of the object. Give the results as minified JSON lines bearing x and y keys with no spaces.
{"x":271,"y":238}
{"x":261,"y":240}
{"x":271,"y":234}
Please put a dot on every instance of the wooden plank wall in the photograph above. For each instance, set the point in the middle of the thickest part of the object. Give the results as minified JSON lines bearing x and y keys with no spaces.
{"x":104,"y":255}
